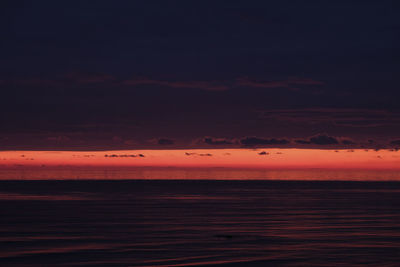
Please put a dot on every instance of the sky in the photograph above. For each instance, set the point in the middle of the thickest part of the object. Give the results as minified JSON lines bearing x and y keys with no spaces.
{"x":167,"y":75}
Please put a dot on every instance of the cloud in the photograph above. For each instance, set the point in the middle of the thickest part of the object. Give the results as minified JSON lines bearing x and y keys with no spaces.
{"x":302,"y":142}
{"x":347,"y":142}
{"x":118,"y":139}
{"x":198,"y":154}
{"x":337,"y":116}
{"x":124,"y":156}
{"x":254,"y":141}
{"x":161,"y":141}
{"x":217,"y":141}
{"x":59,"y":139}
{"x":205,"y":155}
{"x":129,"y":142}
{"x":165,"y":141}
{"x":263,"y":153}
{"x":99,"y":79}
{"x":289,"y":83}
{"x":321,"y":139}
{"x":205,"y":85}
{"x":395,"y":142}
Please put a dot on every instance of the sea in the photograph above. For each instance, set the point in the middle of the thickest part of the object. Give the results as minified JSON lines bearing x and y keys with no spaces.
{"x":197,"y":222}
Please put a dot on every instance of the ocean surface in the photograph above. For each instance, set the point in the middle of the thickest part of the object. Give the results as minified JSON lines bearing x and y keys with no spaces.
{"x":199,"y":222}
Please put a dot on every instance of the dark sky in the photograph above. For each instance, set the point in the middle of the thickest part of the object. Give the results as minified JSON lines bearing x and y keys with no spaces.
{"x":169,"y":74}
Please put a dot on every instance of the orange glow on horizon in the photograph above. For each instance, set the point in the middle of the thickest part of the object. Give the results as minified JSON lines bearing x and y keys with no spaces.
{"x":199,"y":158}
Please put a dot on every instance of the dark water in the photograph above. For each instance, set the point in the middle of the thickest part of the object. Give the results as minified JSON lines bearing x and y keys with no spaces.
{"x":181,"y":223}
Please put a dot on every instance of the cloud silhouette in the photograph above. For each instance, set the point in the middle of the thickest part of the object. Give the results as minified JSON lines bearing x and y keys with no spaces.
{"x":348,"y":142}
{"x":263,"y":153}
{"x":165,"y":141}
{"x":321,"y":139}
{"x":254,"y":141}
{"x":302,"y":142}
{"x":124,"y":156}
{"x":217,"y":141}
{"x":198,"y":154}
{"x":345,"y":117}
{"x":395,"y":142}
